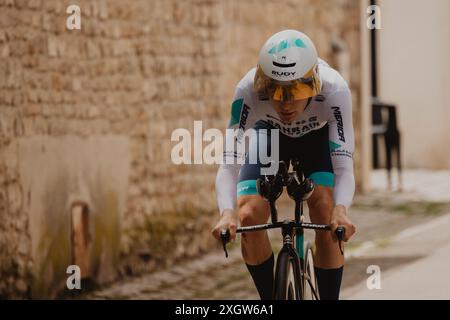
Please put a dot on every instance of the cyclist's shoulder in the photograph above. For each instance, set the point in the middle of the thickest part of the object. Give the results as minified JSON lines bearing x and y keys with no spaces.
{"x":245,"y":85}
{"x":332,"y":81}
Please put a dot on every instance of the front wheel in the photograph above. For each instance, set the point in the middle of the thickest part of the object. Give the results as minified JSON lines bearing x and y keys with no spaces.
{"x":287,"y":278}
{"x":311,"y":291}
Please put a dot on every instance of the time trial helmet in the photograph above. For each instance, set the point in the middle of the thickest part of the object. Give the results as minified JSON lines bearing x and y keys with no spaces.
{"x":287,"y":67}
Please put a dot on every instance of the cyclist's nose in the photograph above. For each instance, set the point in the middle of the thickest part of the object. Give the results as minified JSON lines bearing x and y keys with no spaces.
{"x":286,"y":104}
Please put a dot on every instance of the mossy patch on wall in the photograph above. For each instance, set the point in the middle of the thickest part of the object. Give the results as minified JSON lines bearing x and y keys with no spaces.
{"x":168,"y":236}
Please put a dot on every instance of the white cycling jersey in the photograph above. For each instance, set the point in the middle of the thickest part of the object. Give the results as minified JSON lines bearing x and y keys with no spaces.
{"x":333,"y":106}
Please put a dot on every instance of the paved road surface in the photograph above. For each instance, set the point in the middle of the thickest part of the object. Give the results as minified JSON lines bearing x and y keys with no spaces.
{"x":424,"y":278}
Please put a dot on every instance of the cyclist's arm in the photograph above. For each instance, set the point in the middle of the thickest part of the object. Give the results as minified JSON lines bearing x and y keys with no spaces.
{"x":228,"y":173}
{"x":342,"y":145}
{"x":226,"y":182}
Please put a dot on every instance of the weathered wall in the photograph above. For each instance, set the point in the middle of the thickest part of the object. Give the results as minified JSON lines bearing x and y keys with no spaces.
{"x":56,"y":175}
{"x":136,"y":71}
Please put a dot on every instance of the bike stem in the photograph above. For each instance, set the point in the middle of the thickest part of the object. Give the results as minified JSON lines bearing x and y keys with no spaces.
{"x":298,"y":210}
{"x":287,"y":230}
{"x":273,"y":211}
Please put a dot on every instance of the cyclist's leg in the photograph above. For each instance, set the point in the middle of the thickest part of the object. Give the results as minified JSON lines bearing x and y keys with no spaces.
{"x":256,"y":249}
{"x":320,"y":206}
{"x":255,"y":245}
{"x":328,"y":259}
{"x":253,"y":209}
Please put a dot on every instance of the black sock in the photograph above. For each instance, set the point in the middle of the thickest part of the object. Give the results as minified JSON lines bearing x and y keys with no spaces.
{"x":262,"y":275}
{"x":329,"y":282}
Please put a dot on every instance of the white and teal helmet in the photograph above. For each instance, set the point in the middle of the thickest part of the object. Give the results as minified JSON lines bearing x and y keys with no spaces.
{"x":288,"y":55}
{"x":288,"y":62}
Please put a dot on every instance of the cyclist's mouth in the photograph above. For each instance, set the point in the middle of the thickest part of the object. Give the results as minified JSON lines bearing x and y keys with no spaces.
{"x":287,"y":114}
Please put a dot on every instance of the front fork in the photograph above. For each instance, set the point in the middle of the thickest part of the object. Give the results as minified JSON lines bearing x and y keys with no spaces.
{"x":298,"y":244}
{"x":292,"y":240}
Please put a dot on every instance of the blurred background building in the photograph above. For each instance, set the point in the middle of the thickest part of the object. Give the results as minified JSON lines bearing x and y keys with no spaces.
{"x":86,"y":118}
{"x":414,"y":73}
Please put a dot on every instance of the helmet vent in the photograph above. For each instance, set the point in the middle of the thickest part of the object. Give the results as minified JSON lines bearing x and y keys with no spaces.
{"x":280,"y":65}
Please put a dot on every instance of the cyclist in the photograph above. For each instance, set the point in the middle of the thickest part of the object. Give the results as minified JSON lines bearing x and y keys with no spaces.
{"x":294,"y":91}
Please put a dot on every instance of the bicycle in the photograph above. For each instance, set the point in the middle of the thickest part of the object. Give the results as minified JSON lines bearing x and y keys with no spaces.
{"x":295,"y":278}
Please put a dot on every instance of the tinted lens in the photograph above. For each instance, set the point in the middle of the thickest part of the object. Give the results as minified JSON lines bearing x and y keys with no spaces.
{"x":302,"y":91}
{"x":299,"y":90}
{"x":287,"y":93}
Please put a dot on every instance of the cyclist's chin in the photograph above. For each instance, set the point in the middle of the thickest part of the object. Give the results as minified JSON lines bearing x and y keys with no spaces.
{"x":288,"y":117}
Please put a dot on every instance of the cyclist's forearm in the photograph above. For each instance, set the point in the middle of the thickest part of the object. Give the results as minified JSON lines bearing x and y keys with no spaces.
{"x":344,"y":187}
{"x":226,"y":182}
{"x":342,"y":145}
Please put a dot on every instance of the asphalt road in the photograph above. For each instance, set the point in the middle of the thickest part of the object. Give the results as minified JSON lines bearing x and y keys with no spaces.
{"x":426,"y":277}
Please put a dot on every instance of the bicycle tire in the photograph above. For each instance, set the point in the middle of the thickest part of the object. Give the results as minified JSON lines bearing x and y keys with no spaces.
{"x":309,"y":278}
{"x":288,"y":284}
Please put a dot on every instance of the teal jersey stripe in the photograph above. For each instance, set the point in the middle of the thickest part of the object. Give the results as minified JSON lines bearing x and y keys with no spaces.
{"x":323,"y":178}
{"x":247,"y":187}
{"x":236,"y":108}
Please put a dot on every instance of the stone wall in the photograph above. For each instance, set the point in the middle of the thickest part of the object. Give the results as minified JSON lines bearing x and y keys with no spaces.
{"x":86,"y":117}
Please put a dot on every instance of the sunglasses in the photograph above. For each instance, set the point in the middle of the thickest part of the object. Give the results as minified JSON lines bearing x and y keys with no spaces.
{"x":297,"y":90}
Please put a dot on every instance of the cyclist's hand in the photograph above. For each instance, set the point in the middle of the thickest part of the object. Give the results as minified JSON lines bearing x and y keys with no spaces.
{"x":339,"y":218}
{"x":227,"y":221}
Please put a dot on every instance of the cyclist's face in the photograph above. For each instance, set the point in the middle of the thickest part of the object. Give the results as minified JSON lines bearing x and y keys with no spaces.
{"x":289,"y":110}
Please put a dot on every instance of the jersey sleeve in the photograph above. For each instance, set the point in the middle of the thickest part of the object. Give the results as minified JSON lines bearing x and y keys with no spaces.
{"x":342,"y":145}
{"x":241,"y":118}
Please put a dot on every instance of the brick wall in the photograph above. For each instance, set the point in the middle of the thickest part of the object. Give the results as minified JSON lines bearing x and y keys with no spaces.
{"x":135,"y":71}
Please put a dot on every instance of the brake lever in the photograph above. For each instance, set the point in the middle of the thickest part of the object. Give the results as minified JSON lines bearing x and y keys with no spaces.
{"x":225,"y":237}
{"x":340,"y":233}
